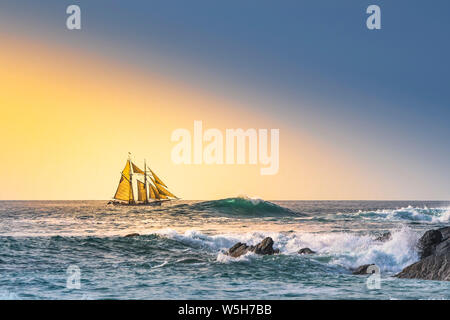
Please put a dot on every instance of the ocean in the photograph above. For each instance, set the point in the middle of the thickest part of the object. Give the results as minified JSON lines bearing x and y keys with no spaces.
{"x":77,"y":249}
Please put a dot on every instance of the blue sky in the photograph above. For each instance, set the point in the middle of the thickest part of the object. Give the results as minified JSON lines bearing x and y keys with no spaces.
{"x":381,"y":96}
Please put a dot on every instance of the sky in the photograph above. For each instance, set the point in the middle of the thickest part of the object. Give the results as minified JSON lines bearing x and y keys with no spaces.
{"x":363,"y":114}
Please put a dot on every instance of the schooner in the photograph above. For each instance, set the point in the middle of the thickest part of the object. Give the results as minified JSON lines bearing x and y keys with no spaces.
{"x":150,"y":188}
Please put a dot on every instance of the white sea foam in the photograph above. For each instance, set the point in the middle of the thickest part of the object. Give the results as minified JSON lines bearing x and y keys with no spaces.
{"x":253,"y":199}
{"x":160,"y":265}
{"x":390,"y":256}
{"x":224,"y":258}
{"x":425,"y":214}
{"x":8,"y":295}
{"x":348,"y":250}
{"x":445,"y":217}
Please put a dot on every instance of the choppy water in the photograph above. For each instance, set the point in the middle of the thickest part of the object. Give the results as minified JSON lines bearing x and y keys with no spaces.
{"x":180,"y":253}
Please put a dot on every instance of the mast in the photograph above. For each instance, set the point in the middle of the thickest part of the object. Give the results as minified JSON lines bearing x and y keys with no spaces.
{"x":145,"y":182}
{"x":131,"y":179}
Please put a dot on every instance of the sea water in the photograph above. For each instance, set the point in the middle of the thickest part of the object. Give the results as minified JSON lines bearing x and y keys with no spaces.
{"x":180,"y":253}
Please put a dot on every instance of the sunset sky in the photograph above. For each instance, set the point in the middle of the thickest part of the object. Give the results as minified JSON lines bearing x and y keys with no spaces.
{"x":362,"y":114}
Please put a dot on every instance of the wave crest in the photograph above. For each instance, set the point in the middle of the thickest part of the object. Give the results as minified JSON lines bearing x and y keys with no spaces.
{"x":245,"y":206}
{"x":409,"y":213}
{"x":348,"y":250}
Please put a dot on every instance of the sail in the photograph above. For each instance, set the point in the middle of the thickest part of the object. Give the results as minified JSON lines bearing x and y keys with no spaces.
{"x":156,"y":188}
{"x":126,"y":170}
{"x":157,"y":179}
{"x":164,"y":191}
{"x":161,"y":196}
{"x":159,"y":190}
{"x":123,"y":190}
{"x":142,"y":195}
{"x":154,"y":194}
{"x":136,"y":169}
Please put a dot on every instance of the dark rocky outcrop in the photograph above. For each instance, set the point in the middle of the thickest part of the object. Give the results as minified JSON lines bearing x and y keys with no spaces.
{"x":434,"y":252}
{"x":362,"y":269}
{"x":132,"y":235}
{"x":428,"y":242}
{"x":443,"y":247}
{"x":265,"y":247}
{"x":384,"y":237}
{"x":445,"y":231}
{"x":306,"y":251}
{"x":434,"y":267}
{"x":238,"y":250}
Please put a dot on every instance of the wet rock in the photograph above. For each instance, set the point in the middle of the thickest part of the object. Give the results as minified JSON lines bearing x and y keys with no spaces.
{"x":428,"y":242}
{"x":305,"y":251}
{"x":131,"y":235}
{"x":238,"y":249}
{"x":443,"y":247}
{"x":434,"y":267}
{"x":384,"y":237}
{"x":434,"y":251}
{"x":265,"y":247}
{"x":445,"y":233}
{"x":362,"y":269}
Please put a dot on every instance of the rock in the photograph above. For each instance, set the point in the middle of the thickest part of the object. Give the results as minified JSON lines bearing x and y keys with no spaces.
{"x":362,"y":269}
{"x":238,"y":249}
{"x":131,"y":235}
{"x":434,"y":251}
{"x":305,"y":251}
{"x":384,"y":237}
{"x":443,"y":247}
{"x":445,"y":233}
{"x":265,"y":247}
{"x":434,"y":267}
{"x":428,"y":242}
{"x":434,"y":242}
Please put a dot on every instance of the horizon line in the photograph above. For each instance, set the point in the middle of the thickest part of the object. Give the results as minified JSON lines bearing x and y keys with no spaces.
{"x":433,"y":200}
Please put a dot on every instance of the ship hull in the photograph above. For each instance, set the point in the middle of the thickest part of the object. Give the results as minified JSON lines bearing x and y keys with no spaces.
{"x":152,"y":203}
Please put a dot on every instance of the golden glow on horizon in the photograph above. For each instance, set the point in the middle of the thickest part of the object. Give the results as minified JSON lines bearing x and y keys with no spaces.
{"x":70,"y":118}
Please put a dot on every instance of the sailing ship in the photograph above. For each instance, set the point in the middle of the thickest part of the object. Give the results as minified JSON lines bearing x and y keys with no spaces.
{"x":151,"y":190}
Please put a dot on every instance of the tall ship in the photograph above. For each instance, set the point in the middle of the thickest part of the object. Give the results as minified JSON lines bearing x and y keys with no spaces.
{"x":150,"y":189}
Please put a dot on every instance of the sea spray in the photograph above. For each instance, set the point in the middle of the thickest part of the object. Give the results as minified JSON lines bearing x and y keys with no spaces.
{"x":224,"y":258}
{"x":391,"y":256}
{"x":409,"y":213}
{"x":344,"y":249}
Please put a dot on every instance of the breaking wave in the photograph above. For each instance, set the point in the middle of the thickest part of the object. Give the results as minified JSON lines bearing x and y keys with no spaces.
{"x":346,"y":250}
{"x":339,"y":249}
{"x":409,"y":213}
{"x":244,"y":206}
